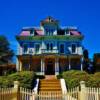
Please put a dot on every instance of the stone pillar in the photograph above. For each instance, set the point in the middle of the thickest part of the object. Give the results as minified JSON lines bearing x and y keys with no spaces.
{"x":82,"y":64}
{"x":83,"y":90}
{"x":15,"y":91}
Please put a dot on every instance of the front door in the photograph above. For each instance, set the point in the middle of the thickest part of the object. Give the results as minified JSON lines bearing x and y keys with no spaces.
{"x":50,"y":69}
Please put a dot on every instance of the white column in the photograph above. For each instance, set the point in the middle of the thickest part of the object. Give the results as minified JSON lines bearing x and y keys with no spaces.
{"x":82,"y":64}
{"x":42,"y":66}
{"x":69,"y":63}
{"x":56,"y":67}
{"x":20,"y":66}
{"x":17,"y":64}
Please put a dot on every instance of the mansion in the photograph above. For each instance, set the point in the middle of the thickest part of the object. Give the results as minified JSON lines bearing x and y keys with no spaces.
{"x":49,"y":49}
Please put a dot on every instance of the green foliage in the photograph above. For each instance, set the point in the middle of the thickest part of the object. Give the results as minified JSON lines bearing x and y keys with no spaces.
{"x":26,"y":79}
{"x":59,"y":76}
{"x":73,"y":78}
{"x":6,"y":53}
{"x":94,"y":80}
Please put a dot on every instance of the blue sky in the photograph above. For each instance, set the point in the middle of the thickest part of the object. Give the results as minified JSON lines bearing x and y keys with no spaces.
{"x":85,"y":14}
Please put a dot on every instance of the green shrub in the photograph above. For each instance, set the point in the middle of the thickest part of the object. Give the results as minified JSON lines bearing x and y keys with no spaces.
{"x":26,"y":79}
{"x":59,"y":76}
{"x":73,"y":78}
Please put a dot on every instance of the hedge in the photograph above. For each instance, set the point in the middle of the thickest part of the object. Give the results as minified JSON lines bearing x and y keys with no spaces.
{"x":73,"y":78}
{"x":26,"y":79}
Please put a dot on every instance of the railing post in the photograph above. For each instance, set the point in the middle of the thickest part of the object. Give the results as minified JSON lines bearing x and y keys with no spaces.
{"x":83,"y":90}
{"x":15,"y":90}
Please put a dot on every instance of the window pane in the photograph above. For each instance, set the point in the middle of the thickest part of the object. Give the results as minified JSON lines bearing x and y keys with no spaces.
{"x":62,"y":48}
{"x":48,"y":46}
{"x":51,"y":46}
{"x":25,"y":48}
{"x":37,"y":47}
{"x":73,"y":48}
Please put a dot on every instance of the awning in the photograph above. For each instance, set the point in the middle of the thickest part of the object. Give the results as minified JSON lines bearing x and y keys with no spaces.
{"x":75,"y":33}
{"x":25,"y":33}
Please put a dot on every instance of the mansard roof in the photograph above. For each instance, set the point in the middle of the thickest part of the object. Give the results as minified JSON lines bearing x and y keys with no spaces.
{"x":39,"y":31}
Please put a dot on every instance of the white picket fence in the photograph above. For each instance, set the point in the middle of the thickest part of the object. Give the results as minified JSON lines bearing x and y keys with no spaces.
{"x":26,"y":94}
{"x":77,"y":93}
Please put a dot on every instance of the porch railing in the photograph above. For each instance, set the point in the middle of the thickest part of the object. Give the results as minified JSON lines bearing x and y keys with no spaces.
{"x":53,"y":51}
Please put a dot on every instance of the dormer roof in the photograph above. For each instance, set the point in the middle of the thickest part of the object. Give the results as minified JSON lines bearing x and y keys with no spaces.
{"x":50,"y":20}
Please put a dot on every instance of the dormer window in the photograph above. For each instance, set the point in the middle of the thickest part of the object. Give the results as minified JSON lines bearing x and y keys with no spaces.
{"x":49,"y":32}
{"x":31,"y":32}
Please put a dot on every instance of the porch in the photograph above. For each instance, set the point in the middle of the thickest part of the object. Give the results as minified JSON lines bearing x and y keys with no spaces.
{"x":49,"y":64}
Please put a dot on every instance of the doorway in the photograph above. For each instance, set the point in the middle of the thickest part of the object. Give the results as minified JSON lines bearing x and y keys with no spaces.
{"x":50,"y":70}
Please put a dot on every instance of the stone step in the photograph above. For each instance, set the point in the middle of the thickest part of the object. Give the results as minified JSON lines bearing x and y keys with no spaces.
{"x":49,"y":80}
{"x":49,"y":89}
{"x":49,"y":85}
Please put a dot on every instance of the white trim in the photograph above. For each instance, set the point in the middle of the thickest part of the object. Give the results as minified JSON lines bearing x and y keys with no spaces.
{"x":63,"y":86}
{"x":36,"y":87}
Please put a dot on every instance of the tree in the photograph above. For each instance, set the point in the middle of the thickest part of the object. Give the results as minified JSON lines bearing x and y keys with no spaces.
{"x":85,"y":54}
{"x":85,"y":60}
{"x":6,"y":53}
{"x":87,"y":63}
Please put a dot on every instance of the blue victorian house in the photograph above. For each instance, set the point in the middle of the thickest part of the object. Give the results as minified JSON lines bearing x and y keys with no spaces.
{"x":49,"y":49}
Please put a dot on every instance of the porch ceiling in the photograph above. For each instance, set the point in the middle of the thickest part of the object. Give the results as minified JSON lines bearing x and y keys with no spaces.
{"x":28,"y":57}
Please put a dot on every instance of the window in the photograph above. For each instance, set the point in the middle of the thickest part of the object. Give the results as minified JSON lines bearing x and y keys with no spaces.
{"x":49,"y":46}
{"x":61,"y":48}
{"x":31,"y":32}
{"x":49,"y":32}
{"x":73,"y":48}
{"x":25,"y":47}
{"x":37,"y":46}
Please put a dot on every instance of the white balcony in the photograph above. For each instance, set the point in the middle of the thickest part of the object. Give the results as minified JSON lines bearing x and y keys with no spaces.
{"x":53,"y":51}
